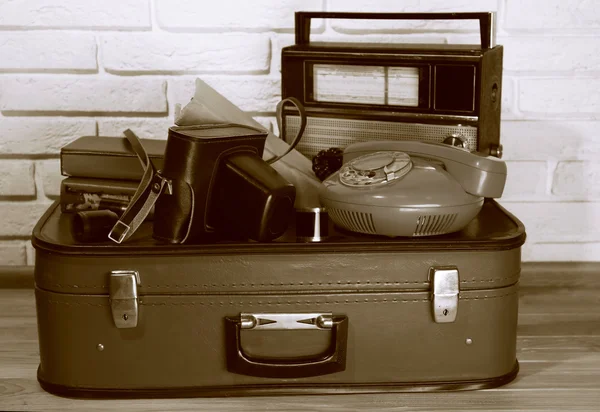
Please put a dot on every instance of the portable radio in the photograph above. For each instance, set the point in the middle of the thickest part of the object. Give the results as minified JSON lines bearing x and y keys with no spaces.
{"x":360,"y":92}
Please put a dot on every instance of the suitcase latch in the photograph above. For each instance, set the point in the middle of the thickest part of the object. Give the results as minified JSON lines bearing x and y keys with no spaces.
{"x":444,"y":293}
{"x":124,"y":297}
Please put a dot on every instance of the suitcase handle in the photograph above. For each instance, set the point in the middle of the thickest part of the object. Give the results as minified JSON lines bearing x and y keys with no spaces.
{"x":240,"y":363}
{"x":487,"y":22}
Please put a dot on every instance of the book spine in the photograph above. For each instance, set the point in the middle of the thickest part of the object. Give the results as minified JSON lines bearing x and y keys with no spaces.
{"x":108,"y":166}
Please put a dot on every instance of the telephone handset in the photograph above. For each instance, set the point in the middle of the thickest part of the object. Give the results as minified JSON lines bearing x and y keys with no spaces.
{"x":410,"y":188}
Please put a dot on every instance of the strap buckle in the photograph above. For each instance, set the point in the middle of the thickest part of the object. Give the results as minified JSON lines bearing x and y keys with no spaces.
{"x":120,"y":229}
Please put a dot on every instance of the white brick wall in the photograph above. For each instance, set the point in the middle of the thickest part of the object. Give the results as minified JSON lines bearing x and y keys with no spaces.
{"x":13,"y":253}
{"x":533,"y":15}
{"x":71,"y":68}
{"x":223,"y":15}
{"x":32,"y":51}
{"x":82,"y":93}
{"x":16,"y":178}
{"x":196,"y":53}
{"x":76,"y":14}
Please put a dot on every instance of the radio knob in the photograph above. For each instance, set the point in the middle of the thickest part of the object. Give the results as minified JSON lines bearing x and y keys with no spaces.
{"x":496,"y":151}
{"x":455,"y":139}
{"x":494,"y":93}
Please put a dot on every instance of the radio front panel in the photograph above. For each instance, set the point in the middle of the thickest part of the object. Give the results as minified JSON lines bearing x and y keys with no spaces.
{"x":351,"y":84}
{"x":436,"y":88}
{"x":322,"y":133}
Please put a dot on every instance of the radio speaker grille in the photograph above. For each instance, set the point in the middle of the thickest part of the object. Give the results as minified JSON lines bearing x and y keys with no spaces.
{"x":434,"y":224}
{"x":323,"y":133}
{"x":355,"y":221}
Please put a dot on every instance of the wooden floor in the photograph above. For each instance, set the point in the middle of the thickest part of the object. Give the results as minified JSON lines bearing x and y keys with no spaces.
{"x":558,"y":344}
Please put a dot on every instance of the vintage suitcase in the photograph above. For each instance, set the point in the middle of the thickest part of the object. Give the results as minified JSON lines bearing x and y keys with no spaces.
{"x":354,"y":313}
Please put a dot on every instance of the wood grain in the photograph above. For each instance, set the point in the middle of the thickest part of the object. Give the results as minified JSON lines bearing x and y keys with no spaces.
{"x":558,"y":349}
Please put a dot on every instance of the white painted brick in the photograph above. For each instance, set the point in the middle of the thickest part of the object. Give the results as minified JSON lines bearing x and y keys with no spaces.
{"x":49,"y":177}
{"x":531,"y":140}
{"x":36,"y":51}
{"x":73,"y":14}
{"x":408,"y":6}
{"x":279,"y":41}
{"x":577,"y":178}
{"x":12,"y":253}
{"x":525,"y":179}
{"x":34,"y":135}
{"x":30,"y":254}
{"x":19,"y":218}
{"x":560,"y":96}
{"x":249,"y":93}
{"x":551,"y":53}
{"x":560,"y":252}
{"x":16,"y":178}
{"x":143,"y":128}
{"x":164,"y":52}
{"x":558,"y":221}
{"x":235,"y":14}
{"x":83,"y":94}
{"x":509,"y":104}
{"x":552,"y":14}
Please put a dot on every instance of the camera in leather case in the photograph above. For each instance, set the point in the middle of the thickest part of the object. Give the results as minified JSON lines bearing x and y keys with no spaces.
{"x":221,"y":187}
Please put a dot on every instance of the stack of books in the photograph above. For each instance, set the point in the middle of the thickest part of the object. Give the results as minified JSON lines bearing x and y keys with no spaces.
{"x":103,"y":172}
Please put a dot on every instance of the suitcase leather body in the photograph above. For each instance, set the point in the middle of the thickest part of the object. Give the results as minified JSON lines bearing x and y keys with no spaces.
{"x":352,"y":313}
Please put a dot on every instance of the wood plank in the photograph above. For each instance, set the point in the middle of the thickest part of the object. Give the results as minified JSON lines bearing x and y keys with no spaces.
{"x":581,"y":275}
{"x":17,"y":332}
{"x":545,"y":300}
{"x":560,"y":324}
{"x":16,"y":277}
{"x":578,"y":349}
{"x":17,"y":303}
{"x":557,"y":374}
{"x":22,"y":395}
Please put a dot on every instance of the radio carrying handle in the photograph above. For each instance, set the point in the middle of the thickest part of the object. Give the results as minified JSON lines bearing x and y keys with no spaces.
{"x":487,"y":22}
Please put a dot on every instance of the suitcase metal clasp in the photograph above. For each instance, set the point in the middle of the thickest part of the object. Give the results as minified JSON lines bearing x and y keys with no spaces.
{"x":444,"y":293}
{"x":283,"y":321}
{"x":124,"y":297}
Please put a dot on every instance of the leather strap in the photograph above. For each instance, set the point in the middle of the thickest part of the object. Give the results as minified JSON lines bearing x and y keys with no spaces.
{"x":151,"y":186}
{"x":279,"y":116}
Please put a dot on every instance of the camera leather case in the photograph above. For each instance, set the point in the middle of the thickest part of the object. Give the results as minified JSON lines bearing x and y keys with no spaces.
{"x":221,"y":187}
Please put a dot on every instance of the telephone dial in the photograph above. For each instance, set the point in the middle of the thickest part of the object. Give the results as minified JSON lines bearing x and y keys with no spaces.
{"x":410,"y":188}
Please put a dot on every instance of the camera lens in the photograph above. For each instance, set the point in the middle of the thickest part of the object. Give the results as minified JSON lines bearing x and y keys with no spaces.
{"x":93,"y":225}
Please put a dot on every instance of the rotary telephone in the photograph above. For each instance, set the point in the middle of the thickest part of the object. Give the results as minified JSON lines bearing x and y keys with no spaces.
{"x":410,"y":188}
